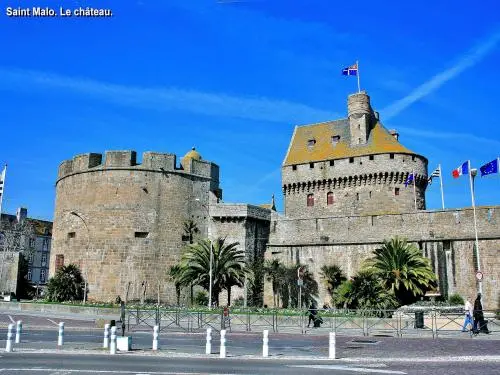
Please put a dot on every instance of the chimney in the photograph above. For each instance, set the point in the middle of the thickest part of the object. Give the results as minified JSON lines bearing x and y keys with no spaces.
{"x":395,"y":134}
{"x":21,"y":214}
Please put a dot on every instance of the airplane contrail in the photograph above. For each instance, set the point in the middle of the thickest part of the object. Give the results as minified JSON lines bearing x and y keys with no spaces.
{"x":470,"y":59}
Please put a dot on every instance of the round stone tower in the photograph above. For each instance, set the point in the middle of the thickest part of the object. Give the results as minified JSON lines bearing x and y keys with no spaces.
{"x":351,"y":166}
{"x":122,"y":222}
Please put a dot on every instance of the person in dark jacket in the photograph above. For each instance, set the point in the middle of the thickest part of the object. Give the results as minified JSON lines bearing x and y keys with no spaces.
{"x":312,"y":314}
{"x":479,"y":323}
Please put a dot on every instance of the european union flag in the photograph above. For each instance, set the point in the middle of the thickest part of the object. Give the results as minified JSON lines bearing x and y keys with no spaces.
{"x":489,"y":168}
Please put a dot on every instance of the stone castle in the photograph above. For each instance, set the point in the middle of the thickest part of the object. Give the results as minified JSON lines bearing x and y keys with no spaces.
{"x":344,"y":193}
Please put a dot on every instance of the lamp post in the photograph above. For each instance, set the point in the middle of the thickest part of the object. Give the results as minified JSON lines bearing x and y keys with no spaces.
{"x":86,"y":253}
{"x":210,"y":272}
{"x":473,"y":174}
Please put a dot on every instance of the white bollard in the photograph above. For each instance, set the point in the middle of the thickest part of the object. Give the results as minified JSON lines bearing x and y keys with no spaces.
{"x":8,"y":346}
{"x":331,"y":351}
{"x":208,"y":345}
{"x":223,"y":343}
{"x":19,"y":329}
{"x":112,"y":346}
{"x":105,"y":343}
{"x":60,"y":339}
{"x":265,"y":344}
{"x":155,"y":337}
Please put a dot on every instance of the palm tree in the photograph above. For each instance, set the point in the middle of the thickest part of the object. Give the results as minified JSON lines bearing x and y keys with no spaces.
{"x":367,"y":292}
{"x":175,"y":273}
{"x":66,"y":285}
{"x":290,"y":289}
{"x":402,"y":269}
{"x":228,"y":268}
{"x":275,"y":273}
{"x":332,"y":277}
{"x":190,"y":229}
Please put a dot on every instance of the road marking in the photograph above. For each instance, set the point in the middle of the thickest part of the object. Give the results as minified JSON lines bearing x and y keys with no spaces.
{"x":55,"y":323}
{"x":59,"y":371}
{"x":353,"y":369}
{"x":12,"y":320}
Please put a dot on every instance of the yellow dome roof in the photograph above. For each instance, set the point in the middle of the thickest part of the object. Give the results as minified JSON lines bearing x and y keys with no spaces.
{"x":193,"y":154}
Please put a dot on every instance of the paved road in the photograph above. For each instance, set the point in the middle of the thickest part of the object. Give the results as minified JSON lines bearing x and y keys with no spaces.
{"x":68,"y":364}
{"x":183,"y":353}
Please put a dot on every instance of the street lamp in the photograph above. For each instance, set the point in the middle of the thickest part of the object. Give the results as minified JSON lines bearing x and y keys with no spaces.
{"x":473,"y":173}
{"x":86,"y":253}
{"x":210,"y":277}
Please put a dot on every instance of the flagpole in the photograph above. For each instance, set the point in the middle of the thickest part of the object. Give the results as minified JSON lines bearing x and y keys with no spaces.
{"x":415,"y":189}
{"x":2,"y":178}
{"x":4,"y":173}
{"x":478,"y":263}
{"x":441,"y":181}
{"x":359,"y":87}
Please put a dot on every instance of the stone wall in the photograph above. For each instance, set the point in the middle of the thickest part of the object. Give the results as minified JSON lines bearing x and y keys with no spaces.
{"x":122,"y":223}
{"x":446,"y":237}
{"x":359,"y":185}
{"x":246,"y":224}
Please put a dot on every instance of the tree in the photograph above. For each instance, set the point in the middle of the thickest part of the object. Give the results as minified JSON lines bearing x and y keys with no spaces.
{"x":175,"y":273}
{"x":367,"y":292}
{"x":256,"y":283}
{"x":332,"y":277}
{"x":190,"y":229}
{"x":66,"y":285}
{"x":228,"y":269}
{"x":402,"y":269}
{"x":275,"y":273}
{"x":290,"y":289}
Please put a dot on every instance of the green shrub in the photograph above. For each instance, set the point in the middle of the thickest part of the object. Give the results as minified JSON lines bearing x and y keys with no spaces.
{"x":456,"y":299}
{"x":201,"y":298}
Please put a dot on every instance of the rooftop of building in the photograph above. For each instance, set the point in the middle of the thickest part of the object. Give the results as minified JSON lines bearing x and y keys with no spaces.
{"x":331,"y":140}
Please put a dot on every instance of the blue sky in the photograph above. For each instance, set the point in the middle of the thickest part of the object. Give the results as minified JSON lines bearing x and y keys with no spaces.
{"x":234,"y":79}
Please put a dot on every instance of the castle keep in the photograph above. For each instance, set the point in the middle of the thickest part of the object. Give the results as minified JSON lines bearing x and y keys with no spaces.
{"x":344,"y":193}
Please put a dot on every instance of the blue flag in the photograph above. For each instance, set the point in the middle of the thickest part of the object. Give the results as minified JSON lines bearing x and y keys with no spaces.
{"x":408,"y":180}
{"x":489,"y":168}
{"x":351,"y":70}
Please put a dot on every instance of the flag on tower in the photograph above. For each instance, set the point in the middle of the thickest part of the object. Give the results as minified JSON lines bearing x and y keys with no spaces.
{"x":2,"y":185}
{"x":489,"y":168}
{"x":436,"y":173}
{"x":350,"y":70}
{"x":463,"y":169}
{"x":409,"y":179}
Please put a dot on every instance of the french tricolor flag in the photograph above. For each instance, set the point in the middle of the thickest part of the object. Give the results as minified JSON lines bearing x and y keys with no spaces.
{"x":463,"y":169}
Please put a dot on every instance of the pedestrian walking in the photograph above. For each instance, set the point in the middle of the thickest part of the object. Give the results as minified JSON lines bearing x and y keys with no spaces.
{"x":469,"y":311}
{"x":312,"y":314}
{"x":479,"y":323}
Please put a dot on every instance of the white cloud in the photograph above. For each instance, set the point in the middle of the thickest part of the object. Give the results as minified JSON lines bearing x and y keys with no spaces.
{"x":168,"y":98}
{"x":471,"y":58}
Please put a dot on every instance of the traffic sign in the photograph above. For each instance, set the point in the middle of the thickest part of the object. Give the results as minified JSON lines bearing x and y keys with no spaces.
{"x":479,"y":275}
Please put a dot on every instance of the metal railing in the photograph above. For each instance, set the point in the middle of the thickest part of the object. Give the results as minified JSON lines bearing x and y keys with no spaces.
{"x":433,"y":322}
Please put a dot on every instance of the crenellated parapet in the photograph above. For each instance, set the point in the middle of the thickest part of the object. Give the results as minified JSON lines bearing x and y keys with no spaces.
{"x":151,"y":161}
{"x":345,"y":182}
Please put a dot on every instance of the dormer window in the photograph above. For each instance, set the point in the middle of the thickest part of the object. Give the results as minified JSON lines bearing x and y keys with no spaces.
{"x":335,"y":139}
{"x":311,"y":142}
